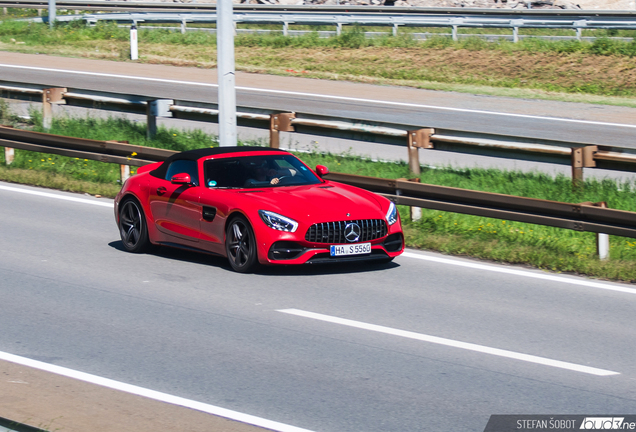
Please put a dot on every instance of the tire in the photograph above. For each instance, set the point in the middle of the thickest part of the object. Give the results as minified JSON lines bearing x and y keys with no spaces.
{"x":132,"y":227}
{"x":240,"y":245}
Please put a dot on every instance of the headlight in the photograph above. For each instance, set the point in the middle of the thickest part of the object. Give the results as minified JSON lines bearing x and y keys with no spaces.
{"x":392,"y":214}
{"x":278,"y":222}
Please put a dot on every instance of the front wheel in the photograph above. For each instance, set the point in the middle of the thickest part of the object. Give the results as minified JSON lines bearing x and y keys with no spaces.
{"x":132,"y":227}
{"x":240,"y":245}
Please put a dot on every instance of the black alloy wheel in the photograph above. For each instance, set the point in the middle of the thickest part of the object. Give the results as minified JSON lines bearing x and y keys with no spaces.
{"x":240,"y":245}
{"x":132,"y":227}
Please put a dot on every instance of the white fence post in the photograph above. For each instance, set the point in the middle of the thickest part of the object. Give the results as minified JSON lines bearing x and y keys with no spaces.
{"x":602,"y":240}
{"x":602,"y":246}
{"x":125,"y":172}
{"x":9,"y":155}
{"x":134,"y":51}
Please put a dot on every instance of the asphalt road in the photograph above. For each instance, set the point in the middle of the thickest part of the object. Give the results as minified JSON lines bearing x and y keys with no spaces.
{"x":186,"y":325}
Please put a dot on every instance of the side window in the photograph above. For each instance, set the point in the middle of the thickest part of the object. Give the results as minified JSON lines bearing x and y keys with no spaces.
{"x":184,"y":166}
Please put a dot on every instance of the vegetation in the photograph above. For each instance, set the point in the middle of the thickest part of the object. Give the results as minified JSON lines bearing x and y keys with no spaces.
{"x":543,"y":247}
{"x":603,"y":70}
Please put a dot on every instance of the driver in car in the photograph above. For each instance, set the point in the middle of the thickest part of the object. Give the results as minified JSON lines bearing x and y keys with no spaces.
{"x":261,"y":172}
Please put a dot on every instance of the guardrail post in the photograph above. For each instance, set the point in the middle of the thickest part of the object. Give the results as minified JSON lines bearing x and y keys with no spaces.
{"x":395,"y":30}
{"x":183,"y":25}
{"x":515,"y":34}
{"x":420,"y":138}
{"x":417,"y":139}
{"x":154,"y":109}
{"x":285,"y":28}
{"x":339,"y":29}
{"x":582,"y":157}
{"x":602,"y":239}
{"x":281,"y":122}
{"x":455,"y":37}
{"x":51,"y":96}
{"x":9,"y":155}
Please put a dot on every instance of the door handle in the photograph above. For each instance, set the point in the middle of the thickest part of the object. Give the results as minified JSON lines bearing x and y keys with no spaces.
{"x":161,"y":190}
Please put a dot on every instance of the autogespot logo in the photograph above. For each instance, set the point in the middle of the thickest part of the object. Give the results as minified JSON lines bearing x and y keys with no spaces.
{"x":352,"y":232}
{"x":603,"y":423}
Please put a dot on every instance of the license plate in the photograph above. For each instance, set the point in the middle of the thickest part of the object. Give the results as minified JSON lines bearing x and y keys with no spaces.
{"x":352,"y":249}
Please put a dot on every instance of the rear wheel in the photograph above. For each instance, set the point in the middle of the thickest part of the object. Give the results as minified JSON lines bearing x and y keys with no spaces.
{"x":240,"y":245}
{"x":132,"y":227}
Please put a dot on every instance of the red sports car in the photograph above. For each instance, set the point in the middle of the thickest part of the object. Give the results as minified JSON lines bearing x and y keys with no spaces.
{"x":254,"y":205}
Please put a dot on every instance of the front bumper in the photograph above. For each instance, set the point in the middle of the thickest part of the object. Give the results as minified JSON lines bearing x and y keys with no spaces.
{"x":295,"y":251}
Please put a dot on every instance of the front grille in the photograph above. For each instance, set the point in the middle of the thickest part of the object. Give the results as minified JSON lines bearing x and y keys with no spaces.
{"x":334,"y":232}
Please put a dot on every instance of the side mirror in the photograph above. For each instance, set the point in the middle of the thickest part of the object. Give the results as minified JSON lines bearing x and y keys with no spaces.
{"x":322,"y":170}
{"x":181,"y":178}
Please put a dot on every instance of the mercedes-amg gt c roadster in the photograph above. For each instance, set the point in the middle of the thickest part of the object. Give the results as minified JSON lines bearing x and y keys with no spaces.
{"x":255,"y":205}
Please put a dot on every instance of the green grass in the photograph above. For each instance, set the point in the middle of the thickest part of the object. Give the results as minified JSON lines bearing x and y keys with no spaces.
{"x":492,"y":239}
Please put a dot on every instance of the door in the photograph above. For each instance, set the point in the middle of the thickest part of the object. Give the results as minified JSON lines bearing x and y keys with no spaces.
{"x":175,"y":207}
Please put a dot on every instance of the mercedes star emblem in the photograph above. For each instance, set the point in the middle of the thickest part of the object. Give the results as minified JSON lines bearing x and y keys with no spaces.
{"x":352,"y":232}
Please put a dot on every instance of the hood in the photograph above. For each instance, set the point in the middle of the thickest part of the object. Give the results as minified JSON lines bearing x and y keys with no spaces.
{"x":326,"y":202}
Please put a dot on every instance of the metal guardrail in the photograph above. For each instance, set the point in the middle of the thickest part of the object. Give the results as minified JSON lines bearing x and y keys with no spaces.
{"x":104,"y":151}
{"x":454,"y":22}
{"x":453,"y":18}
{"x":587,"y":217}
{"x":349,"y":18}
{"x":578,"y":155}
{"x":135,"y":6}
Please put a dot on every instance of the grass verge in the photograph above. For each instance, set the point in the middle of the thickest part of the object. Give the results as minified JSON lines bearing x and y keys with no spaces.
{"x":547,"y":248}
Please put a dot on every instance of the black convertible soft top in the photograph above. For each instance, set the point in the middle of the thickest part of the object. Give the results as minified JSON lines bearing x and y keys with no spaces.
{"x":199,"y":153}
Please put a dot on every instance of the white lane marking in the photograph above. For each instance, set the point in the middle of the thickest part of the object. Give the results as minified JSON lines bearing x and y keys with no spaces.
{"x":451,"y":343}
{"x":56,"y":196}
{"x":338,"y":98}
{"x":515,"y":272}
{"x":151,"y":394}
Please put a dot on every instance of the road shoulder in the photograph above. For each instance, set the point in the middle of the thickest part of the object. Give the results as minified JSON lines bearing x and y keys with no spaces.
{"x":56,"y":403}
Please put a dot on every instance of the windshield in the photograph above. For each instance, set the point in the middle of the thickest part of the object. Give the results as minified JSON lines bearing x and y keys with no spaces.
{"x":257,"y":172}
